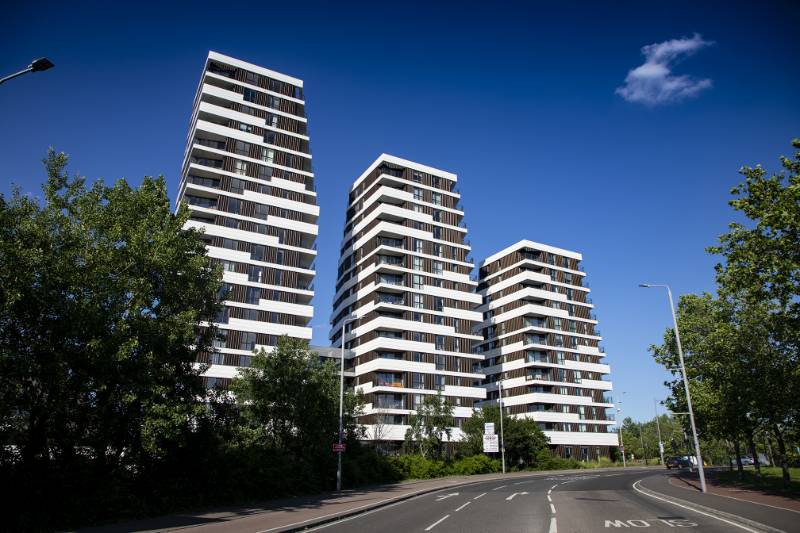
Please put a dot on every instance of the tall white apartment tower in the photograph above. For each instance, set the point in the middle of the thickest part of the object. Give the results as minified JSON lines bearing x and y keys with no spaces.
{"x":248,"y":181}
{"x":540,"y":338}
{"x":404,"y":274}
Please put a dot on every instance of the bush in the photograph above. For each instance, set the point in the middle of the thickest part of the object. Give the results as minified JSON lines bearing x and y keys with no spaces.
{"x":476,"y":464}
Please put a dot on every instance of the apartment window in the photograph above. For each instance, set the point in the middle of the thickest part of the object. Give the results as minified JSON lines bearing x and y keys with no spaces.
{"x":269,"y":137}
{"x":572,"y":326}
{"x":246,"y":109}
{"x":416,"y":281}
{"x":264,"y":173}
{"x":437,"y":232}
{"x":570,"y":294}
{"x":278,"y":277}
{"x":559,"y":340}
{"x":248,"y":341}
{"x":437,"y":250}
{"x":417,"y":381}
{"x":240,"y":167}
{"x":417,"y":194}
{"x":418,"y":246}
{"x":436,"y":198}
{"x":457,"y":348}
{"x":250,"y":95}
{"x":255,"y":273}
{"x":228,"y":266}
{"x":563,"y":390}
{"x":439,"y":361}
{"x":248,"y":314}
{"x":230,"y":244}
{"x":217,"y":358}
{"x":416,"y":317}
{"x":560,"y":358}
{"x":440,"y":342}
{"x":438,"y":303}
{"x":272,"y":120}
{"x":418,"y":301}
{"x":438,"y":268}
{"x":267,"y":154}
{"x":417,"y":357}
{"x":568,"y":450}
{"x":279,"y":257}
{"x":259,"y":252}
{"x":245,"y":127}
{"x":557,"y":323}
{"x":222,"y":316}
{"x":237,"y":186}
{"x":417,"y":401}
{"x":252,"y":295}
{"x":438,"y":382}
{"x":435,"y":181}
{"x":221,"y":339}
{"x":242,"y":148}
{"x":568,"y":427}
{"x":417,"y":177}
{"x":416,"y":263}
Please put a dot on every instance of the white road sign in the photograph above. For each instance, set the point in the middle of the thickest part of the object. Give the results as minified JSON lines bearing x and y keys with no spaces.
{"x":491,"y":443}
{"x":488,"y":428}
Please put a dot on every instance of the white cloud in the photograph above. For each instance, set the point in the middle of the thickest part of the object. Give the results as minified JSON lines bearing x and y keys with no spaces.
{"x":653,"y":83}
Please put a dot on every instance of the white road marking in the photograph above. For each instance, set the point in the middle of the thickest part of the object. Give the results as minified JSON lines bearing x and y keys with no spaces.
{"x":515,"y":494}
{"x":740,"y":526}
{"x":549,"y":498}
{"x":552,"y":508}
{"x":445,"y":496}
{"x":445,"y":517}
{"x":554,"y":486}
{"x":457,"y":510}
{"x":479,"y":496}
{"x":500,"y":487}
{"x":553,"y":525}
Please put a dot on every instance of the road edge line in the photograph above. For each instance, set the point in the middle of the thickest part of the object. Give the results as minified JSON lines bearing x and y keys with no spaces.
{"x":722,"y":516}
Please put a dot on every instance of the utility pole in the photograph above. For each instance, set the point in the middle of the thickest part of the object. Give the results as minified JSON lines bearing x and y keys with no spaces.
{"x":345,"y":321}
{"x":619,"y":432}
{"x":658,"y":427}
{"x":699,"y":456}
{"x":502,"y":440}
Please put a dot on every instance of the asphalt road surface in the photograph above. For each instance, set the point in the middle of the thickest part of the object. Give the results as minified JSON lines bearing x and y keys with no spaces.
{"x":603,"y":501}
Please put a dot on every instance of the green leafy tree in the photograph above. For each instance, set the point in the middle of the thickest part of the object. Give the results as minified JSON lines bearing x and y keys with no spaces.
{"x":101,"y":291}
{"x":762,"y":269}
{"x":431,"y":426}
{"x":525,"y":443}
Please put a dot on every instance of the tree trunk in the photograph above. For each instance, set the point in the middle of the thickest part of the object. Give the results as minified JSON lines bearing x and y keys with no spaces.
{"x":770,"y":454}
{"x":751,"y":444}
{"x":729,"y":447}
{"x":737,"y":448}
{"x":782,"y":452}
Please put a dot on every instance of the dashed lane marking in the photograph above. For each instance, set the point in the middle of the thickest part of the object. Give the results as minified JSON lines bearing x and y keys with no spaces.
{"x":552,"y":508}
{"x":500,"y":487}
{"x":457,"y":510}
{"x":479,"y":496}
{"x":553,"y":525}
{"x":445,"y":517}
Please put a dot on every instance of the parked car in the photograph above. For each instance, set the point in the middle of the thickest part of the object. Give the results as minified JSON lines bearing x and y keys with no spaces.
{"x":678,"y":462}
{"x":747,"y":460}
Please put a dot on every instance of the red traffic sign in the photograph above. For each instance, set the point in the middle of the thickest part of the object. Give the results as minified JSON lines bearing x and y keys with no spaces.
{"x":339,"y":448}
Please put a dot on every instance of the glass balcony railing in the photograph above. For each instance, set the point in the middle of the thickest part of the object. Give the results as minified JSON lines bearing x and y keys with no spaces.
{"x":219,"y":145}
{"x":215,"y":163}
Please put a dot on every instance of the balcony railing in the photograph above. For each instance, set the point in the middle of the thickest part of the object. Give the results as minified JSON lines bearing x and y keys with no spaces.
{"x":395,"y":243}
{"x":608,"y":399}
{"x":387,"y":299}
{"x":219,"y":145}
{"x":215,"y":163}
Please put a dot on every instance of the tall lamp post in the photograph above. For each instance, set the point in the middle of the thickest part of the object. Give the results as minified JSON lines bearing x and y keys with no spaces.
{"x":37,"y":65}
{"x":619,"y":431}
{"x":345,"y":321}
{"x":502,"y":440}
{"x":658,"y":428}
{"x":685,"y":382}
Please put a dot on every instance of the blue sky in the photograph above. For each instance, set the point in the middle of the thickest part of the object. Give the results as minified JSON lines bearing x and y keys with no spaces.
{"x":520,"y":99}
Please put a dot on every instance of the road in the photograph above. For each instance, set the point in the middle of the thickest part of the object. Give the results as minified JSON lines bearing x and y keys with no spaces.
{"x":603,"y":501}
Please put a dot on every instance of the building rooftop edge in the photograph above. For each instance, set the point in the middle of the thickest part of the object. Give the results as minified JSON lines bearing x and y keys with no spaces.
{"x":525,"y":243}
{"x":216,"y":56}
{"x":388,"y":158}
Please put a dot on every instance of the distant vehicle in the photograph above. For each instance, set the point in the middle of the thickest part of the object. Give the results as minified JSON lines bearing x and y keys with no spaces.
{"x":747,"y":460}
{"x":678,"y":462}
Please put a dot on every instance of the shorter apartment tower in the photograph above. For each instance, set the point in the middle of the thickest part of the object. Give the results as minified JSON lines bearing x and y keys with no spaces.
{"x":540,"y":339}
{"x":404,"y":276}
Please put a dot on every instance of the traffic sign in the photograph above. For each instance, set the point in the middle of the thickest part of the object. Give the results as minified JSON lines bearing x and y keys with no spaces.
{"x":488,"y":428}
{"x":339,"y":448}
{"x":491,"y":443}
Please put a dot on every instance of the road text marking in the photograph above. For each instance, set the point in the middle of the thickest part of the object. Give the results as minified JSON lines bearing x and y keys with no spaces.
{"x":445,"y":517}
{"x":740,"y":526}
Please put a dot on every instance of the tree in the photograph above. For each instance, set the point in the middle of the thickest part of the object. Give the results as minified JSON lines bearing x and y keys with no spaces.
{"x":525,"y":443}
{"x":101,"y":291}
{"x":430,"y":425}
{"x":762,"y":269}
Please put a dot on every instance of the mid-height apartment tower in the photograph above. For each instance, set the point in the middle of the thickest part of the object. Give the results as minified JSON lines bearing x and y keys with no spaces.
{"x":248,"y":183}
{"x":540,"y":339}
{"x":404,"y":275}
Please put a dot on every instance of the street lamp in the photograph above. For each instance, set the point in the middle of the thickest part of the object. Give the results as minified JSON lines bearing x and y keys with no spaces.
{"x":502,"y":440}
{"x":685,"y":383}
{"x":658,"y":427}
{"x":345,"y":321}
{"x":37,"y":65}
{"x":619,"y":430}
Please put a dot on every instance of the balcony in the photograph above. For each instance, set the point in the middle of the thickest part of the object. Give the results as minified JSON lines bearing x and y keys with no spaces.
{"x":214,"y":163}
{"x":388,"y":241}
{"x":608,"y":399}
{"x":219,"y":145}
{"x":199,"y":201}
{"x":205,"y":182}
{"x":389,"y":260}
{"x":391,"y":280}
{"x":384,"y":401}
{"x":389,"y":299}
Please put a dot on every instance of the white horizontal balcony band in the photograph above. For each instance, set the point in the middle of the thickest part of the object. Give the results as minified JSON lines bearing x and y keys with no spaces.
{"x":591,"y":350}
{"x":220,"y":371}
{"x":549,"y":416}
{"x":527,"y":292}
{"x":285,"y":307}
{"x":244,"y":257}
{"x":527,"y":309}
{"x":254,"y":326}
{"x":386,"y":158}
{"x":279,"y":183}
{"x":226,"y":131}
{"x":232,"y":233}
{"x":278,"y":222}
{"x":385,"y":209}
{"x":516,"y":279}
{"x":534,"y":245}
{"x":277,"y":201}
{"x":385,"y":191}
{"x":586,"y":384}
{"x":264,"y":199}
{"x":239,"y":98}
{"x":392,"y":432}
{"x":232,"y":61}
{"x":576,"y":438}
{"x":532,"y":263}
{"x":385,"y":179}
{"x":397,"y":229}
{"x":242,"y":279}
{"x":225,"y":153}
{"x":246,"y":85}
{"x":402,"y":365}
{"x":568,"y":364}
{"x":386,"y":343}
{"x":370,"y":409}
{"x":546,"y":397}
{"x":449,"y":391}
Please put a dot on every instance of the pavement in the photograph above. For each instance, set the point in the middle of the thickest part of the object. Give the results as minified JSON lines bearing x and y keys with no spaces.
{"x":543,"y":502}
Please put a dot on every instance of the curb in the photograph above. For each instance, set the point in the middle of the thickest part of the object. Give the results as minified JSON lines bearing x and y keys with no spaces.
{"x":757,"y":527}
{"x":319,"y":521}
